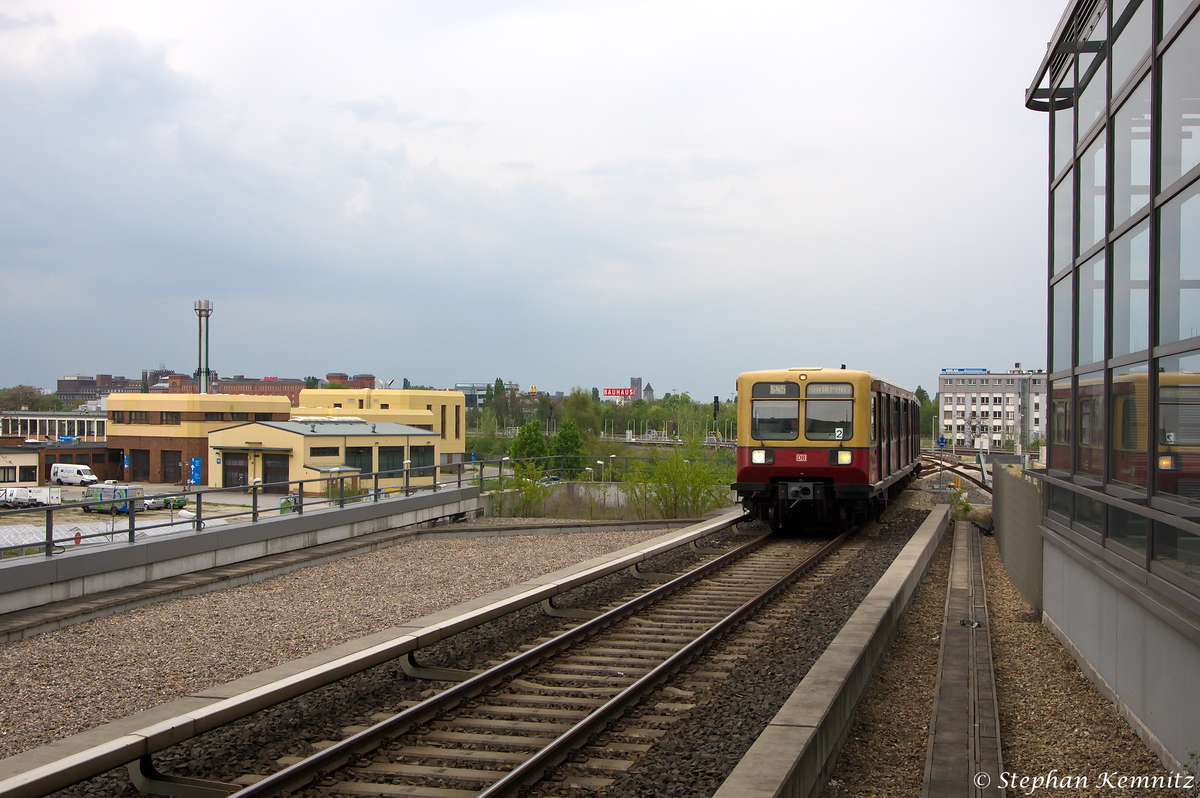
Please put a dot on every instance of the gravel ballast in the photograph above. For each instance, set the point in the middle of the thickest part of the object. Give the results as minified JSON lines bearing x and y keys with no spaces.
{"x":63,"y":682}
{"x":1052,"y":719}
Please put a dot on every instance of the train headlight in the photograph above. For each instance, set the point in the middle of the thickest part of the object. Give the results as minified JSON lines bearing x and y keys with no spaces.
{"x":1166,"y":463}
{"x":762,"y":456}
{"x":844,"y":458}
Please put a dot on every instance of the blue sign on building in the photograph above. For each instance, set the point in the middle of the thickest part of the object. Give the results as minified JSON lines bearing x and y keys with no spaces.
{"x":127,"y":461}
{"x":194,"y":475}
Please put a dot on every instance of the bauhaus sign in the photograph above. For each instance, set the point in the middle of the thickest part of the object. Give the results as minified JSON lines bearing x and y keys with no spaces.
{"x":619,"y":392}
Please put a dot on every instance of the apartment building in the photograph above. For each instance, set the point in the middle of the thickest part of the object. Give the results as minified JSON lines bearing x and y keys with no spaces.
{"x":992,"y":410}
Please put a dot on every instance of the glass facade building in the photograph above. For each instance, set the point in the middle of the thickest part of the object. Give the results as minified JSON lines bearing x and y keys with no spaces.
{"x":1120,"y":85}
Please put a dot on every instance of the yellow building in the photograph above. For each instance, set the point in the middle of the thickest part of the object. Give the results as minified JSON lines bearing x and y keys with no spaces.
{"x":441,"y":412}
{"x":159,"y":434}
{"x":19,"y":467}
{"x":313,"y":447}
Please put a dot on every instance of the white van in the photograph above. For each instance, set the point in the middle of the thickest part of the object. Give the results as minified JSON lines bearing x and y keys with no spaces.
{"x":70,"y":474}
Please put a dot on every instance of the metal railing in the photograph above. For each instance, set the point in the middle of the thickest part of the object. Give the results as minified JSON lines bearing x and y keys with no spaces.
{"x":206,"y":504}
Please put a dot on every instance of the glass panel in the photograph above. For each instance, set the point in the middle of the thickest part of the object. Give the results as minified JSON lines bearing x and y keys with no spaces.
{"x":1089,"y":438}
{"x":1177,"y":549}
{"x":1091,"y":310}
{"x":1060,"y":425}
{"x":829,"y":420}
{"x":1089,"y":512}
{"x":1064,"y":137}
{"x":1060,"y":500}
{"x":775,"y":419}
{"x":1178,"y":461}
{"x":1179,"y":268}
{"x":1131,"y":44}
{"x":1131,"y":154}
{"x":1129,"y":439}
{"x":1131,"y":291}
{"x":1128,"y":529}
{"x":1181,"y":105}
{"x":1061,"y":343}
{"x":1092,"y":97}
{"x":1063,"y":251}
{"x":1091,"y":195}
{"x":1171,"y":9}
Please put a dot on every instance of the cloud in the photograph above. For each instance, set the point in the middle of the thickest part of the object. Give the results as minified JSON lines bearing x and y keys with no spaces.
{"x":379,"y":109}
{"x":31,"y":20}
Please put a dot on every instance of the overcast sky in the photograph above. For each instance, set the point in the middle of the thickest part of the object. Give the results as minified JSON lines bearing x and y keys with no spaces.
{"x":558,"y":194}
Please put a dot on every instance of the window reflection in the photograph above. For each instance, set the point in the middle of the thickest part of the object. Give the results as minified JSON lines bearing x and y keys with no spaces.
{"x":1181,"y":105}
{"x":1089,"y":512}
{"x":1063,"y":201}
{"x":1130,"y":439}
{"x":1089,"y":436}
{"x":1177,"y":549}
{"x":1059,"y":501}
{"x":1060,"y":425}
{"x":1171,"y":9}
{"x":1092,"y":96}
{"x":1131,"y":44}
{"x":1178,"y":460}
{"x":1091,"y":310}
{"x":1091,"y":195}
{"x":1131,"y":291}
{"x":1130,"y":530}
{"x":1131,"y":154}
{"x":1061,"y":342}
{"x":1179,"y":268}
{"x":1064,"y":137}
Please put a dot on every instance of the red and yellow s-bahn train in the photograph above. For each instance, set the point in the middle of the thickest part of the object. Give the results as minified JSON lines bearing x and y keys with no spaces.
{"x":819,"y":446}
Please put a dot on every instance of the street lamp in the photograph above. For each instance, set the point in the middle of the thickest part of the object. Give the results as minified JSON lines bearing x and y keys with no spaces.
{"x":612,"y":462}
{"x":590,"y":474}
{"x":601,"y":464}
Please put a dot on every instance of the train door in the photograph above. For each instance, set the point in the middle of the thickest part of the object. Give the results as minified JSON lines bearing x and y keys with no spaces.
{"x":873,"y":457}
{"x":894,"y":462}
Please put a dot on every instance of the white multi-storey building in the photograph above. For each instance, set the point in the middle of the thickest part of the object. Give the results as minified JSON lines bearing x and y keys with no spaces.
{"x":993,"y":410}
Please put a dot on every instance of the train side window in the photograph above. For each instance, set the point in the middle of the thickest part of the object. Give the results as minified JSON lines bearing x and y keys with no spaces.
{"x":874,"y":423}
{"x":774,"y":419}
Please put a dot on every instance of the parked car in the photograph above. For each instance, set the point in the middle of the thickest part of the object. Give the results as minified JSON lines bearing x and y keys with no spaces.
{"x":164,"y":502}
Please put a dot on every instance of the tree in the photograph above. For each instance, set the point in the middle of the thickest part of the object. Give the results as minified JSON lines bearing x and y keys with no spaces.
{"x":928,"y":411}
{"x":584,"y":410}
{"x":595,"y":394}
{"x":568,"y":444}
{"x":312,"y":382}
{"x":529,"y":442}
{"x":25,"y":397}
{"x":339,"y":386}
{"x":407,"y":385}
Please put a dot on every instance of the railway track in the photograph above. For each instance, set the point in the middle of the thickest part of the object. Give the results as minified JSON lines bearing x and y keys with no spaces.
{"x":964,"y":470}
{"x":577,"y":710}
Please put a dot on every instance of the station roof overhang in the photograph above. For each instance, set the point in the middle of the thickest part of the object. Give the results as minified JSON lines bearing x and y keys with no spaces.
{"x":334,"y":469}
{"x":1062,"y":45}
{"x":252,"y":448}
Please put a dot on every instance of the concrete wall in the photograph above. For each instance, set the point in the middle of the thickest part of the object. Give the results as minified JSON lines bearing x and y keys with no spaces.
{"x":1017,"y":513}
{"x":33,"y":581}
{"x":1140,"y":650}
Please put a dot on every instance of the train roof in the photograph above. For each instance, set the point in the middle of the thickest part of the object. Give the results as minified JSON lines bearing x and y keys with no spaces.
{"x":823,"y":374}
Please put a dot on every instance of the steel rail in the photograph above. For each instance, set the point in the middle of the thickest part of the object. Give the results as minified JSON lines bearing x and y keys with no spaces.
{"x":342,"y":753}
{"x":533,"y":769}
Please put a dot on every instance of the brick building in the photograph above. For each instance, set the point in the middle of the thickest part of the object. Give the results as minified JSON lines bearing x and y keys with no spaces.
{"x":159,"y":434}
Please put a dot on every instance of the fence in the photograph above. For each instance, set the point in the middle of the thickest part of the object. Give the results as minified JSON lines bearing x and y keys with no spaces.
{"x":332,"y":490}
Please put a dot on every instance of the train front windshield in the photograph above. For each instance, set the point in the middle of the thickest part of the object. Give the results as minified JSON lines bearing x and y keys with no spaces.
{"x":827,"y":418}
{"x":775,"y":419}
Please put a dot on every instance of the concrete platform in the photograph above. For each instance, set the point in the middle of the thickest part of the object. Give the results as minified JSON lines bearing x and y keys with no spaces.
{"x":51,"y":767}
{"x":33,"y":580}
{"x":26,"y":623}
{"x":796,"y":752}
